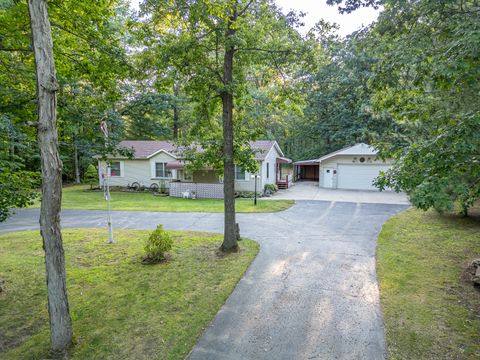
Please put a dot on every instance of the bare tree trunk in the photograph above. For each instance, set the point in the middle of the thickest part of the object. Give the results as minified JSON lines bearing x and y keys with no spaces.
{"x":60,"y":322}
{"x":230,"y":238}
{"x":176,"y":115}
{"x":75,"y":160}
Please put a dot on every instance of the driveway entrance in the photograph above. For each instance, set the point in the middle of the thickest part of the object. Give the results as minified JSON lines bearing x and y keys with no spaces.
{"x":311,"y":293}
{"x":309,"y":190}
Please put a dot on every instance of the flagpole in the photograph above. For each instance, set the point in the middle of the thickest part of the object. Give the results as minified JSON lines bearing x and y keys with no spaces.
{"x":109,"y":216}
{"x":103,"y":127}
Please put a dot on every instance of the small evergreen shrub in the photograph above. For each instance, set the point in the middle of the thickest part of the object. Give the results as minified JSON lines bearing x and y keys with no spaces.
{"x":91,"y":176}
{"x":158,"y":243}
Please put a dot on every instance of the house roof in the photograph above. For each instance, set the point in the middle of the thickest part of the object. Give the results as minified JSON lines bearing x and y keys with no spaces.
{"x":307,"y":162}
{"x":357,"y":149}
{"x":145,"y":149}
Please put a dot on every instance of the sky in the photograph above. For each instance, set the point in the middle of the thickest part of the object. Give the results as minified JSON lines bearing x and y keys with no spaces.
{"x":318,"y":9}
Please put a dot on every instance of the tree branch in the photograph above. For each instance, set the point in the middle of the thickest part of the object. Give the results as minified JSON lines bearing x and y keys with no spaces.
{"x":245,"y":9}
{"x":13,"y":49}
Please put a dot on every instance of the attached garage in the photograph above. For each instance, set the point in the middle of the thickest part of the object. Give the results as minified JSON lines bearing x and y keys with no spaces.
{"x":358,"y":177}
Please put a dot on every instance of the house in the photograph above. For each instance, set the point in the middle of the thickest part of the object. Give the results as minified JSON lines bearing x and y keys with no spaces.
{"x":160,"y":163}
{"x":354,"y":167}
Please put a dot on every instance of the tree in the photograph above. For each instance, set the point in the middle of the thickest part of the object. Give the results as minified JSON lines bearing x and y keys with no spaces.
{"x":426,"y":78}
{"x":91,"y":175}
{"x":58,"y":309}
{"x":225,"y":40}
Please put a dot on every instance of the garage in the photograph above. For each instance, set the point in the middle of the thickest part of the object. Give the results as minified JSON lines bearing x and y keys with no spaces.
{"x":351,"y":168}
{"x":358,"y":177}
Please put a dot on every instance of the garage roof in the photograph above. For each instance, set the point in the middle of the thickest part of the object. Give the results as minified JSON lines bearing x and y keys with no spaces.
{"x":357,"y":149}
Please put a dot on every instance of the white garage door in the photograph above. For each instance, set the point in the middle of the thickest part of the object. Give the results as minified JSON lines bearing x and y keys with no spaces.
{"x":358,"y":176}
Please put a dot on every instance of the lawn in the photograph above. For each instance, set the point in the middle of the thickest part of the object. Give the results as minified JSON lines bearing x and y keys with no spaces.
{"x":120,"y":308}
{"x":75,"y":197}
{"x":430,"y":310}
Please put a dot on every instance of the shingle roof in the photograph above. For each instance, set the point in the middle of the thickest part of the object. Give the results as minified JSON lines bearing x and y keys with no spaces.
{"x":144,"y":149}
{"x":357,"y":149}
{"x":261,"y":148}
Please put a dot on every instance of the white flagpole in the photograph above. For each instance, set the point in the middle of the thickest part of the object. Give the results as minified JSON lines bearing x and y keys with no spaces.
{"x":104,"y":129}
{"x":109,"y":215}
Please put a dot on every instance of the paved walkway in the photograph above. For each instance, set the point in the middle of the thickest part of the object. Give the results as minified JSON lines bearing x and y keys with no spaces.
{"x":309,"y":190}
{"x":311,"y":293}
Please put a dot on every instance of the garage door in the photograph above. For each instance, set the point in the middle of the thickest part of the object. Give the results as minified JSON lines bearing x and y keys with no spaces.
{"x":358,"y":177}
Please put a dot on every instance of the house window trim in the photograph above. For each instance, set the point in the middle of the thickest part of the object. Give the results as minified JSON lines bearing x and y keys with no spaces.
{"x":245,"y":179}
{"x":164,"y":171}
{"x":122,"y":168}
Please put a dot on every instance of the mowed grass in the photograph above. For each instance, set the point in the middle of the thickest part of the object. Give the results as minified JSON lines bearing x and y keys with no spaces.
{"x":430,"y":310}
{"x":120,"y":308}
{"x":79,"y":197}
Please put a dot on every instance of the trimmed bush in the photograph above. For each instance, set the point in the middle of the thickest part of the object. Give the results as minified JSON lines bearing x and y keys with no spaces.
{"x":271,"y":188}
{"x":158,"y":243}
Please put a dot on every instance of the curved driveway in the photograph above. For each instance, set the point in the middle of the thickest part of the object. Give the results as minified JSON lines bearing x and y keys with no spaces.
{"x":311,"y":293}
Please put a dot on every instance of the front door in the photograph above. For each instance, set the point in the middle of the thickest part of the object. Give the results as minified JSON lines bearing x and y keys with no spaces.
{"x":327,"y":177}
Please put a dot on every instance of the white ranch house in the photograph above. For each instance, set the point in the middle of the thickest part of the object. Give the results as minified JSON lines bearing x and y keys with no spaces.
{"x":160,"y":162}
{"x":352,"y":168}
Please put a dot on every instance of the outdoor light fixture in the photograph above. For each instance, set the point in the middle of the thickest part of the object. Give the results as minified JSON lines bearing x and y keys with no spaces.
{"x":255,"y":176}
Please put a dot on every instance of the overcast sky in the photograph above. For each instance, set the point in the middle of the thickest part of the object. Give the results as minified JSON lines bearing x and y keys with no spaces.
{"x":318,"y":9}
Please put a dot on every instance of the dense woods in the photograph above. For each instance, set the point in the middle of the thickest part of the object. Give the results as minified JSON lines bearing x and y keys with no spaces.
{"x":407,"y":84}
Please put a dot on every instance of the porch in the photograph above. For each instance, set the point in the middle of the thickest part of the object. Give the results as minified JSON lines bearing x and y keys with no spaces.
{"x":283,"y":174}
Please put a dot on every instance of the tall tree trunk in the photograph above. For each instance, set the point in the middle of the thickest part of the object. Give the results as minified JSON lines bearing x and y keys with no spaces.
{"x":230,"y":238}
{"x":176,"y":110}
{"x":75,"y":160}
{"x":60,"y":322}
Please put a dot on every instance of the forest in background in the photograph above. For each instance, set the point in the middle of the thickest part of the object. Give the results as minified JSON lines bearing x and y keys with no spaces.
{"x":408,"y":84}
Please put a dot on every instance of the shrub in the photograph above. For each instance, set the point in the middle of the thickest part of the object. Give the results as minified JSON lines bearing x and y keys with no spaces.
{"x":158,"y":243}
{"x":91,"y":176}
{"x":270,"y":187}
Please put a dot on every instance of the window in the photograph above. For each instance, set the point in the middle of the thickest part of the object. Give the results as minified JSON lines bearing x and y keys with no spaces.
{"x":239,"y":173}
{"x":268,"y":170}
{"x":115,"y":168}
{"x":161,"y":170}
{"x":187,"y":175}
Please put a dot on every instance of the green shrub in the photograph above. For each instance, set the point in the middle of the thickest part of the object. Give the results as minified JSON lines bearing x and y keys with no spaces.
{"x":158,"y":243}
{"x":91,"y":176}
{"x":270,"y":187}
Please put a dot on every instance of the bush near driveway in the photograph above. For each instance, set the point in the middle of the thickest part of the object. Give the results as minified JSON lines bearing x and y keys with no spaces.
{"x":431,"y":311}
{"x":120,"y":308}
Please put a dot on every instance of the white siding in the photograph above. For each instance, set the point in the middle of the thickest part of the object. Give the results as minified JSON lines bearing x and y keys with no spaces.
{"x":271,"y":160}
{"x":137,"y":170}
{"x":334,"y":163}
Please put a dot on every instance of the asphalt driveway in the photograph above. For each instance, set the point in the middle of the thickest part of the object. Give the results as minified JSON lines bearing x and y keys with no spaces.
{"x":309,"y":190}
{"x":311,"y":293}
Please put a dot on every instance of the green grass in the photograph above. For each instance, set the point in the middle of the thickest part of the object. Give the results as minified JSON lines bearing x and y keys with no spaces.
{"x":75,"y":197}
{"x":120,"y":308}
{"x":430,"y":310}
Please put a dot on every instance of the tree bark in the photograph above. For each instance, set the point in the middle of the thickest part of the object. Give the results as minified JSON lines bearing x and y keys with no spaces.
{"x":176,"y":115}
{"x":75,"y":160}
{"x":230,"y":236}
{"x":58,"y":310}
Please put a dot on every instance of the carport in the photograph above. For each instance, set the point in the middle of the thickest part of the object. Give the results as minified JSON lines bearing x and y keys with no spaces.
{"x":307,"y":170}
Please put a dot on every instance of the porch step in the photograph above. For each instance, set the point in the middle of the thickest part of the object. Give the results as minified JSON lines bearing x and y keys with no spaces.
{"x":282,"y":185}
